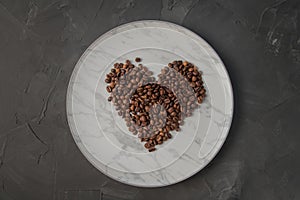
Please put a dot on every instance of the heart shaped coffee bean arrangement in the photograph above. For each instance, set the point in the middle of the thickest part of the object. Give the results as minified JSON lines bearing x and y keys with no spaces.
{"x":153,"y":108}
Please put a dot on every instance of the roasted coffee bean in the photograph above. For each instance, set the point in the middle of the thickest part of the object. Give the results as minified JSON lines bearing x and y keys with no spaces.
{"x":147,"y":145}
{"x":151,"y":149}
{"x":143,"y":124}
{"x":109,"y":89}
{"x":143,"y":119}
{"x":200,"y":99}
{"x":158,"y":138}
{"x":173,"y":114}
{"x":108,"y":80}
{"x":170,"y":110}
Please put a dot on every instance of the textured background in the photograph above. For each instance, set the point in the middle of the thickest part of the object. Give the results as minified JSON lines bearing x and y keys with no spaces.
{"x":41,"y":40}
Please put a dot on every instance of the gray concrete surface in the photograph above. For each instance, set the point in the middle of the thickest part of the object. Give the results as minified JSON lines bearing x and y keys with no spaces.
{"x":41,"y":40}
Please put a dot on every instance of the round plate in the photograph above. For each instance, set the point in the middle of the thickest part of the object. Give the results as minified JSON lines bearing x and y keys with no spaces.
{"x":102,"y":135}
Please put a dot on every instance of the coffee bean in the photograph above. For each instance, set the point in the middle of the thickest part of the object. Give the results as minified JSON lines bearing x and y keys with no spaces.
{"x":200,"y":99}
{"x":147,"y":108}
{"x":173,"y":114}
{"x":167,"y":101}
{"x":143,"y":124}
{"x":151,"y":149}
{"x":143,"y":119}
{"x":108,"y":80}
{"x":147,"y":145}
{"x":158,"y":138}
{"x":170,"y":110}
{"x":109,"y":89}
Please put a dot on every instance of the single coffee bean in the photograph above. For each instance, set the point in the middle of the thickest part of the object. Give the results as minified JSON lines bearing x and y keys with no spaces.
{"x":170,"y":110}
{"x":158,"y":138}
{"x":147,"y":145}
{"x":143,"y":118}
{"x":151,"y":149}
{"x":109,"y":89}
{"x":108,"y":80}
{"x":200,"y":99}
{"x":173,"y":114}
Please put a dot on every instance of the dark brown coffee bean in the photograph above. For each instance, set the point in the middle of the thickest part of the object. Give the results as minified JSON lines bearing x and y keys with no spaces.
{"x":147,"y":108}
{"x":147,"y":145}
{"x":173,"y":114}
{"x":170,"y":110}
{"x":143,"y":118}
{"x":143,"y":124}
{"x":151,"y":149}
{"x":109,"y":89}
{"x":110,"y":98}
{"x":108,"y":80}
{"x":137,"y":59}
{"x":167,"y":101}
{"x":200,"y":99}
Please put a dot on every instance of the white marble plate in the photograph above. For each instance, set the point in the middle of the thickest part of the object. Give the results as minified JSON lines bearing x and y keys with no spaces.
{"x":102,"y":135}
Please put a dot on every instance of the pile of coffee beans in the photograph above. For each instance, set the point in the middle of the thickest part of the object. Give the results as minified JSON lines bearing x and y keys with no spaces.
{"x":116,"y":73}
{"x":194,"y":77}
{"x":163,"y":119}
{"x":153,"y":108}
{"x":185,"y":81}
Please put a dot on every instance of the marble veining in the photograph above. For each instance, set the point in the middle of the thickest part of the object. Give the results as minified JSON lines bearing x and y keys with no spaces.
{"x":102,"y":136}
